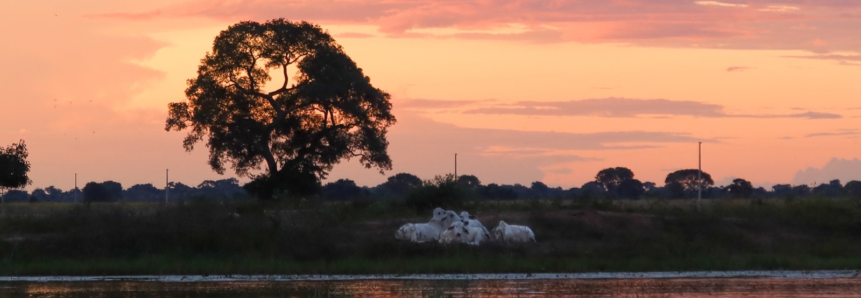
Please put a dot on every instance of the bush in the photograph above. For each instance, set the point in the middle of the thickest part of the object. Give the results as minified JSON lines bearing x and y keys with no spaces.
{"x":442,"y":191}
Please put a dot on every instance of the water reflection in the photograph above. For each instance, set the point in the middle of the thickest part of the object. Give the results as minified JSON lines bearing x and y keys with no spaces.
{"x":710,"y":287}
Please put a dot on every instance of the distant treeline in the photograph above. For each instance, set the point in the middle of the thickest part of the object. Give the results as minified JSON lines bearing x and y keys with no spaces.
{"x":110,"y":191}
{"x":612,"y":183}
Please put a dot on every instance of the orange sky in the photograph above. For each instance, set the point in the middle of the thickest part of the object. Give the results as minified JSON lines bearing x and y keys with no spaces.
{"x":521,"y":90}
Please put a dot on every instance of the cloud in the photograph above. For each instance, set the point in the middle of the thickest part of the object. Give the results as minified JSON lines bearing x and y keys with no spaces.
{"x":426,"y":148}
{"x":753,"y":24}
{"x":721,"y":4}
{"x":850,"y":60}
{"x":814,"y":115}
{"x":780,"y":8}
{"x":737,"y":68}
{"x":354,"y":35}
{"x":437,"y":104}
{"x":838,"y":133}
{"x":560,"y":171}
{"x":624,"y":107}
{"x":836,"y":168}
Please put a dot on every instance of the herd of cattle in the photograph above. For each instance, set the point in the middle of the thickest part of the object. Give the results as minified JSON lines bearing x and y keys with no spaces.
{"x":446,"y":226}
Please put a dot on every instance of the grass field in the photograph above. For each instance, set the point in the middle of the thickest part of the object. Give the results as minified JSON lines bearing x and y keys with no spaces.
{"x":573,"y":236}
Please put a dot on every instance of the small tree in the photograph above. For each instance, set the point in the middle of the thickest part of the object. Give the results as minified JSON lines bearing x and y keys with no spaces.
{"x":401,"y":184}
{"x":14,"y":167}
{"x":611,"y":178}
{"x":95,"y":192}
{"x":852,"y":189}
{"x":740,"y":188}
{"x":442,"y":191}
{"x":683,"y":182}
{"x":108,"y":191}
{"x":343,"y":189}
{"x":469,"y":181}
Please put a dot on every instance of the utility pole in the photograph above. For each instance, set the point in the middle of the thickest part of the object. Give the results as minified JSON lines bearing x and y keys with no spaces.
{"x":75,"y":198}
{"x":166,"y":185}
{"x":700,"y":174}
{"x":455,"y":166}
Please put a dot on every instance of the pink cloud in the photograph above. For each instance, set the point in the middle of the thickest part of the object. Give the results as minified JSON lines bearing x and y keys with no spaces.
{"x":65,"y":82}
{"x":425,"y":147}
{"x":737,"y":68}
{"x":758,"y":24}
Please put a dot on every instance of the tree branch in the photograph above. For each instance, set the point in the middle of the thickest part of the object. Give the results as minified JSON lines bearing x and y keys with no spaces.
{"x":286,"y":78}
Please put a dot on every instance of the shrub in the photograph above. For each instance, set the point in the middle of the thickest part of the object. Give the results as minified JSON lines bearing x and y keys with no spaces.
{"x":442,"y":191}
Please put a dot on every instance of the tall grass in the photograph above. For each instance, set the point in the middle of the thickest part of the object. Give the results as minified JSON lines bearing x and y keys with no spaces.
{"x":310,"y":237}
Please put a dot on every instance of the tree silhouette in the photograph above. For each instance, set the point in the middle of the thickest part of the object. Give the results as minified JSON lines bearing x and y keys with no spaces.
{"x":401,"y":184}
{"x":468,"y":181}
{"x":782,"y":189}
{"x":832,"y":189}
{"x":630,"y":188}
{"x":14,"y":167}
{"x":343,"y":189}
{"x":539,"y":188}
{"x":852,"y":189}
{"x":114,"y":189}
{"x":96,"y":192}
{"x":611,"y":178}
{"x":682,"y":182}
{"x":740,"y":188}
{"x":801,"y":190}
{"x":592,"y":189}
{"x":299,"y":130}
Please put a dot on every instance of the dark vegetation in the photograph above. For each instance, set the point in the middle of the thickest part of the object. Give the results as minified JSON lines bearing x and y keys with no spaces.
{"x":350,"y":229}
{"x":205,"y":237}
{"x":13,"y":167}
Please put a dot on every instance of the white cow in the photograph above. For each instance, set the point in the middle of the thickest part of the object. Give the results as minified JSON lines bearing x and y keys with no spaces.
{"x":473,"y":222}
{"x":450,"y":217}
{"x":423,"y":232}
{"x":476,"y":235}
{"x":456,"y":233}
{"x":513,"y":233}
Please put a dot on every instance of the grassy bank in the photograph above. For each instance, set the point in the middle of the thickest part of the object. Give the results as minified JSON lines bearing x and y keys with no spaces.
{"x":574,"y":236}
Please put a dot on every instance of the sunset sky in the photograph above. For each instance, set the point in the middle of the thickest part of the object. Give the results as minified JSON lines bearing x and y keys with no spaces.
{"x":522,"y":91}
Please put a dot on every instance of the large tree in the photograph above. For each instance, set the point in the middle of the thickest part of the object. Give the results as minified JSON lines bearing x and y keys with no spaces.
{"x":14,"y":167}
{"x":299,"y":128}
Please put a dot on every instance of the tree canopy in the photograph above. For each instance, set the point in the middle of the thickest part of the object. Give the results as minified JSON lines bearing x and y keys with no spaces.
{"x":298,"y":129}
{"x":611,"y":178}
{"x":108,"y":191}
{"x":14,"y":166}
{"x":685,"y":181}
{"x":468,"y":181}
{"x":740,"y":188}
{"x":402,"y":183}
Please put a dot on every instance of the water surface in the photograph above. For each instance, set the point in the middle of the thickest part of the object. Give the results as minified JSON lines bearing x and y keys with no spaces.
{"x":798,"y":284}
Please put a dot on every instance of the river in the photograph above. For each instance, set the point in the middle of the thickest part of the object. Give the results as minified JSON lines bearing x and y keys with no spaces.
{"x":657,"y":284}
